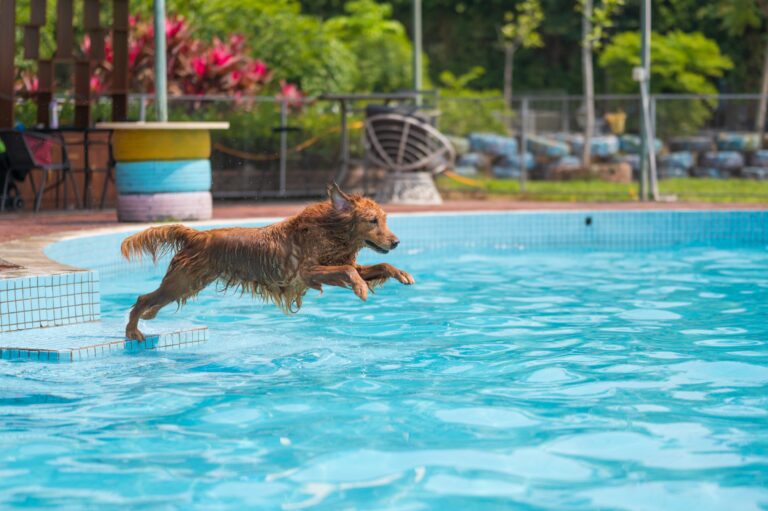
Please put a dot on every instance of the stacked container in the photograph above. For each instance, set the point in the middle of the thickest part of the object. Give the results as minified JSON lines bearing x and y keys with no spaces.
{"x":163,"y":171}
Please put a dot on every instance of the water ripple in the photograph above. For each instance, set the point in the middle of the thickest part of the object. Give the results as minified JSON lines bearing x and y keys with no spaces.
{"x":504,"y":378}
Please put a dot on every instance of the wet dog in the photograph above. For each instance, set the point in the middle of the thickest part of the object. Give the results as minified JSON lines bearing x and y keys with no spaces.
{"x":277,"y":263}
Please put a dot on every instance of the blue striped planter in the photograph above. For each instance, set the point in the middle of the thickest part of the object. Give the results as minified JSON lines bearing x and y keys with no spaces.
{"x":170,"y":176}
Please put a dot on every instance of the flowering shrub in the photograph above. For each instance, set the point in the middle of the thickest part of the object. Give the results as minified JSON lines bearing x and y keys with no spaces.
{"x":194,"y":66}
{"x":291,"y":94}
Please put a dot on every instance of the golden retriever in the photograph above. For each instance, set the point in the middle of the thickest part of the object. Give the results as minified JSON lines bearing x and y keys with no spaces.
{"x":278,"y":263}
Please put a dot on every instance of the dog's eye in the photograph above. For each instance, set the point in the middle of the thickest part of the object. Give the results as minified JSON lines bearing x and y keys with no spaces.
{"x":374,"y":221}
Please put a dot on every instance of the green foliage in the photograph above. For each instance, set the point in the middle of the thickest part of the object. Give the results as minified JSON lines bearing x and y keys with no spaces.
{"x":682,"y":62}
{"x":379,"y":44}
{"x":520,"y":29}
{"x":455,"y":84}
{"x":464,"y":110}
{"x":736,"y":16}
{"x":298,"y":47}
{"x":602,"y":18}
{"x":363,"y":49}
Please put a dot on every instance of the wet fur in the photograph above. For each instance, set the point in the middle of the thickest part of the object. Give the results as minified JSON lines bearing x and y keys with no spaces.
{"x":277,"y":263}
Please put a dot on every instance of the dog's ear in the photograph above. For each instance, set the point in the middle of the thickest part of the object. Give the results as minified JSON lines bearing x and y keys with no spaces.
{"x":340,"y":200}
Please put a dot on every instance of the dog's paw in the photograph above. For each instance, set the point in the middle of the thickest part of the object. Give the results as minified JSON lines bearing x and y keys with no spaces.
{"x":134,"y":334}
{"x":360,"y":289}
{"x":404,"y":277}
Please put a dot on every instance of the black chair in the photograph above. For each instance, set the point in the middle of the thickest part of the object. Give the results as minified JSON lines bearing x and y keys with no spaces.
{"x":11,"y":196}
{"x":26,"y":151}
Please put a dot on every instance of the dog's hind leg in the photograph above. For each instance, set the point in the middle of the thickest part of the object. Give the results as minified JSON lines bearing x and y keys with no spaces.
{"x":177,"y":286}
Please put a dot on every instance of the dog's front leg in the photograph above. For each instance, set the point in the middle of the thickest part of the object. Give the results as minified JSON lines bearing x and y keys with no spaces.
{"x":342,"y":276}
{"x":378,"y":273}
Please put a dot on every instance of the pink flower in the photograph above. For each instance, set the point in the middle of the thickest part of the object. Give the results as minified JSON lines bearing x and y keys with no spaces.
{"x":235,"y":76}
{"x":108,"y":56}
{"x":219,"y":54}
{"x":86,"y":43}
{"x":95,"y":84}
{"x":173,"y":26}
{"x":237,"y":41}
{"x":290,"y":93}
{"x":289,"y":90}
{"x":199,"y":65}
{"x":132,"y":20}
{"x":133,"y":53}
{"x":259,"y":70}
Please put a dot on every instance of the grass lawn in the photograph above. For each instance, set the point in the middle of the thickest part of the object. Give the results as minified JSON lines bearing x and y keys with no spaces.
{"x":685,"y":189}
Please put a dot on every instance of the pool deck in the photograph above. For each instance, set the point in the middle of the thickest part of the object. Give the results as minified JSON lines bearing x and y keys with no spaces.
{"x":21,"y":225}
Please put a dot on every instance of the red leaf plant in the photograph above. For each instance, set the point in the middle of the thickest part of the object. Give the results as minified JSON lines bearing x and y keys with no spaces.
{"x":195,"y":67}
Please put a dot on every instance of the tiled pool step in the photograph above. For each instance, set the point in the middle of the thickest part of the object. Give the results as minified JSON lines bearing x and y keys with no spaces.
{"x":93,"y":340}
{"x":40,"y":301}
{"x":37,"y":292}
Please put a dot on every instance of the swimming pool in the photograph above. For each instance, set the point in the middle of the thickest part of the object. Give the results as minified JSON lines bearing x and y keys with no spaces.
{"x":542,"y":361}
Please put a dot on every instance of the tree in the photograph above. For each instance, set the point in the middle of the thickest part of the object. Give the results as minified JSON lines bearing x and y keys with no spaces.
{"x":736,"y":17}
{"x":682,"y":62}
{"x":595,"y":21}
{"x":519,"y":31}
{"x":457,"y":98}
{"x":380,"y":45}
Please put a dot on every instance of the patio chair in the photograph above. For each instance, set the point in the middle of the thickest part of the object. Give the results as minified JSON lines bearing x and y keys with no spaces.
{"x":27,"y":151}
{"x":411,"y":150}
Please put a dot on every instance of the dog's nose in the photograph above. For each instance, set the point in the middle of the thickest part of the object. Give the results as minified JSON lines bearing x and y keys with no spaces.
{"x":395,"y":243}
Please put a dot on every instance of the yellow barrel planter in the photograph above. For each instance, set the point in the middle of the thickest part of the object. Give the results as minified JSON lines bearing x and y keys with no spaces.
{"x":172,"y":147}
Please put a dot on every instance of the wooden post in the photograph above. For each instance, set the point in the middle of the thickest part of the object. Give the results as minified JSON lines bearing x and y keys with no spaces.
{"x":31,"y":42}
{"x":64,"y":33}
{"x":120,"y":61}
{"x":92,"y":26}
{"x":7,"y":52}
{"x":83,"y":93}
{"x":91,"y":15}
{"x":96,"y":53}
{"x":44,"y":91}
{"x":37,"y":13}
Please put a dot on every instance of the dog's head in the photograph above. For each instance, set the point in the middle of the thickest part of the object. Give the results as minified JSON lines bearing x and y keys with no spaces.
{"x":369,"y":222}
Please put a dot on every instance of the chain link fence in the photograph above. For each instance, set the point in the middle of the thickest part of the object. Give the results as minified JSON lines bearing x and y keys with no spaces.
{"x":707,"y":145}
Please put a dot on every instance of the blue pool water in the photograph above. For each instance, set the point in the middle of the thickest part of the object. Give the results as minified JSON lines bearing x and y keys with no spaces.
{"x":508,"y":377}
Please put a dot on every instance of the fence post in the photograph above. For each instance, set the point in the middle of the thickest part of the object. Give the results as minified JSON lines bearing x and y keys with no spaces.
{"x":161,"y":68}
{"x":344,"y":144}
{"x":523,"y":142}
{"x":643,"y":195}
{"x":283,"y":145}
{"x":565,"y":122}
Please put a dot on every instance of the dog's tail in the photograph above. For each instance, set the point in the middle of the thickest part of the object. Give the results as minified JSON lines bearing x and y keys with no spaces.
{"x":157,"y":241}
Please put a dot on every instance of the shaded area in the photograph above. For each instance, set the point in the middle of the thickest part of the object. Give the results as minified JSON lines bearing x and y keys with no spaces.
{"x":6,"y":265}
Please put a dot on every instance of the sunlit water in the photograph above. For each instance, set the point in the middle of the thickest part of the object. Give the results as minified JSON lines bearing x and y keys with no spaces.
{"x":518,"y":379}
